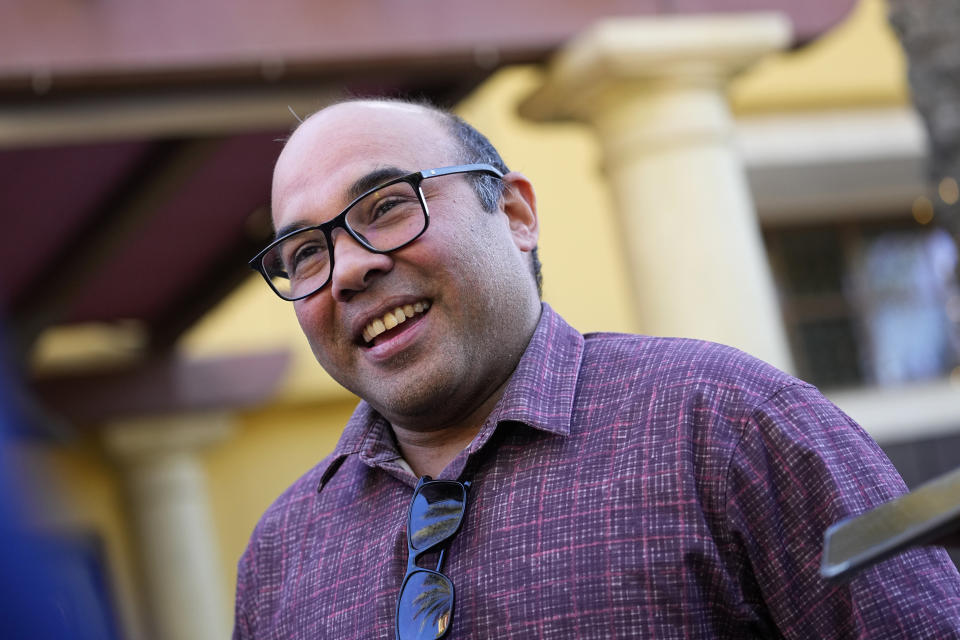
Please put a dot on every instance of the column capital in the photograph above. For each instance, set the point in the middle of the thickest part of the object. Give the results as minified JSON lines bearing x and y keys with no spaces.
{"x":154,"y":436}
{"x":701,"y":50}
{"x":653,"y":91}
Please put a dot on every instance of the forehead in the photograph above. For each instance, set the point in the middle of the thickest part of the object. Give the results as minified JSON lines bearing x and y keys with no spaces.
{"x":340,"y":145}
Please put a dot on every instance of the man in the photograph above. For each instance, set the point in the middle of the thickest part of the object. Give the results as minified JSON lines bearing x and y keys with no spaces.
{"x":612,"y":486}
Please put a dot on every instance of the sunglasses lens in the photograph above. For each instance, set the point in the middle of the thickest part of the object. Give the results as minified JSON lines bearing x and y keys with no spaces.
{"x":436,"y":514}
{"x":425,"y":607}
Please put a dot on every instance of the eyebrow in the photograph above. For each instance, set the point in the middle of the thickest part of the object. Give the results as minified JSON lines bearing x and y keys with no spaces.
{"x":359,"y":187}
{"x":374,"y":179}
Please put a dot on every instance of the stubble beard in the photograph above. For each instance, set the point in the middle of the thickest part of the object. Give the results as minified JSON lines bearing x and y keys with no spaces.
{"x":423,"y":395}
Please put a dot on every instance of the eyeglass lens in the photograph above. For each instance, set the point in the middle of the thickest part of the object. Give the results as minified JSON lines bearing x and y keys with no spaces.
{"x":425,"y":606}
{"x":435,"y":514}
{"x":384,"y":220}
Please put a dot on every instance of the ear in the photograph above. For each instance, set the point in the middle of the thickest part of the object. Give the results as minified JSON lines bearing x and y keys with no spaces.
{"x":519,"y":203}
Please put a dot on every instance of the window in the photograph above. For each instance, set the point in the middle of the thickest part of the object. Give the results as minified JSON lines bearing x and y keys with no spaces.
{"x":868,"y":303}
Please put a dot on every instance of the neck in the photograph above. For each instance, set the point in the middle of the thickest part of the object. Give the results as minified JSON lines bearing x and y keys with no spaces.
{"x":428,"y":452}
{"x":430,"y":441}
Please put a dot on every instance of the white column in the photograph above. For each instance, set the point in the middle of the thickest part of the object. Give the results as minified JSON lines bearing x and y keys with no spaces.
{"x":654,"y":91}
{"x":168,"y":499}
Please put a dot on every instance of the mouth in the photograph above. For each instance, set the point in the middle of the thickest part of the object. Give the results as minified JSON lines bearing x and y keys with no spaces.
{"x":391,"y":322}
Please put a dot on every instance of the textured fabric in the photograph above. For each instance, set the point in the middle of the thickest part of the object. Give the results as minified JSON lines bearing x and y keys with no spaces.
{"x":623,"y":487}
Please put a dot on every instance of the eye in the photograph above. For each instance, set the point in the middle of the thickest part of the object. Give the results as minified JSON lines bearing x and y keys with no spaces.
{"x":383,"y":207}
{"x":304,"y":257}
{"x":304,"y":253}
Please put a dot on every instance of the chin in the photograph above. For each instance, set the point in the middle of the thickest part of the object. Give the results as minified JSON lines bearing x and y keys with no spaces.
{"x":420,"y":399}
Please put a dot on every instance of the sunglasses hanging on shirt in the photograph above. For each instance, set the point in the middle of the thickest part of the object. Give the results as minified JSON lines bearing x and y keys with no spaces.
{"x":425,"y":603}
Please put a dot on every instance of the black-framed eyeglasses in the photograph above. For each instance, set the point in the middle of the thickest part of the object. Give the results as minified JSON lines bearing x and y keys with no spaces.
{"x":384,"y":219}
{"x":425,"y":603}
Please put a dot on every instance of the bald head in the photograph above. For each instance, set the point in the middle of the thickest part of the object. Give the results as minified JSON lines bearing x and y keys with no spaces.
{"x":358,"y":130}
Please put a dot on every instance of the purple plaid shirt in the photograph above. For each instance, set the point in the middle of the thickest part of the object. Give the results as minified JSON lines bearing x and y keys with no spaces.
{"x":624,"y":487}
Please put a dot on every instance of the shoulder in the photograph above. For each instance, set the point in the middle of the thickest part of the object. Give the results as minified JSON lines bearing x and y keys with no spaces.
{"x":676,"y":368}
{"x":690,"y":400}
{"x":280,"y":528}
{"x":286,"y":515}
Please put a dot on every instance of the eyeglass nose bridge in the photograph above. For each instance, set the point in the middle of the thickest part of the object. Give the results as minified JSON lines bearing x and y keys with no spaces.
{"x":345,"y":230}
{"x":416,"y":555}
{"x":330,"y":232}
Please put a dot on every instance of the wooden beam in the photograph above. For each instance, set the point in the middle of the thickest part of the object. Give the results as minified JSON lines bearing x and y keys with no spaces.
{"x":163,"y":386}
{"x":157,"y":114}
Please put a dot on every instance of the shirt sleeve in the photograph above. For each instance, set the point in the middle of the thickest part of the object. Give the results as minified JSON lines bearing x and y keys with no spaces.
{"x":800,"y":466}
{"x":243,"y":628}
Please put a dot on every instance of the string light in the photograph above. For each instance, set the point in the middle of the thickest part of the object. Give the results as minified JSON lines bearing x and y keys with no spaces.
{"x":949,"y":191}
{"x":922,"y":210}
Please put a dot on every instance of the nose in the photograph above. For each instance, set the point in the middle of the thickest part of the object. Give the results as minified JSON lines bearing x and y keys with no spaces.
{"x":354,"y":267}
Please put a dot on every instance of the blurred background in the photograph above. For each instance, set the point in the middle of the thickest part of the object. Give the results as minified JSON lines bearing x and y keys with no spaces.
{"x":777,"y":181}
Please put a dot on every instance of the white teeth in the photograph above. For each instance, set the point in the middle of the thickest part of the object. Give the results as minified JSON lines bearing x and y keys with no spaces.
{"x":391,"y":319}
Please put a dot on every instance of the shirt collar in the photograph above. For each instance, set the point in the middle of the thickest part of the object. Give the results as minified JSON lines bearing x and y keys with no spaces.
{"x":367,"y":433}
{"x":541,"y":390}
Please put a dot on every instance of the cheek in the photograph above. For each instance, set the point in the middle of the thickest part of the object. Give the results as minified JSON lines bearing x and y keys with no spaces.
{"x":313,"y":323}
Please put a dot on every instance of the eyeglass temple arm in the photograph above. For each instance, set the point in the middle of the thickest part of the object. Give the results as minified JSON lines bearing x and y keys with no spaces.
{"x":462,"y":169}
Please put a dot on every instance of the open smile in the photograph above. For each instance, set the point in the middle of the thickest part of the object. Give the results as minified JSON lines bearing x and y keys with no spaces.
{"x":387,"y":324}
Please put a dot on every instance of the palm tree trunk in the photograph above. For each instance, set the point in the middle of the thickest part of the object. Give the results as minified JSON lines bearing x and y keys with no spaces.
{"x":930,"y":33}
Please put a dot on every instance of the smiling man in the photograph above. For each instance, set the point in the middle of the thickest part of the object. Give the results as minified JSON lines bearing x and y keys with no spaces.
{"x":599,"y":486}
